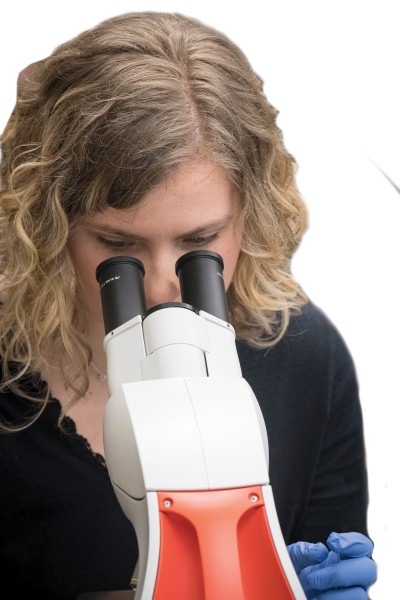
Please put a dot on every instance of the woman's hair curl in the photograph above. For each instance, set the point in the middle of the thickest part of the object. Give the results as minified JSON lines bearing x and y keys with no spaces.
{"x":107,"y":116}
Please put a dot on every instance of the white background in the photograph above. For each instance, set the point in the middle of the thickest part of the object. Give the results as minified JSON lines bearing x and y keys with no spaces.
{"x":332,"y":69}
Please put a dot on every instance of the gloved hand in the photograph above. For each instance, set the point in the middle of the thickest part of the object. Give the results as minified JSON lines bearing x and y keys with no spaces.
{"x":341,"y":570}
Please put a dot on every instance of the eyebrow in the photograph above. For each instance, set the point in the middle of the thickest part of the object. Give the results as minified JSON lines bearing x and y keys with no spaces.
{"x":108,"y":229}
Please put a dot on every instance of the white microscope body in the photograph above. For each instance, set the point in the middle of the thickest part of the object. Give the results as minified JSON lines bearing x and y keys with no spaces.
{"x":186,"y":444}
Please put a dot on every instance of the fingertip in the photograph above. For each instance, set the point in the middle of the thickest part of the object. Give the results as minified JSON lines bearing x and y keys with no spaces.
{"x":350,"y":544}
{"x":351,"y":573}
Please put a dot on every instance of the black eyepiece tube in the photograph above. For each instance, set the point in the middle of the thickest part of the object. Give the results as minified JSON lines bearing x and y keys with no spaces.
{"x":201,"y":281}
{"x":122,"y":290}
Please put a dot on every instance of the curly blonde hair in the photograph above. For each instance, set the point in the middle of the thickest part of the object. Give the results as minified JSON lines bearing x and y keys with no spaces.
{"x":107,"y":116}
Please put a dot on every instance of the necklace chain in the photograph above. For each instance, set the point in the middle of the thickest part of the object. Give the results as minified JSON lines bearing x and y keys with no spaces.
{"x":102,"y":376}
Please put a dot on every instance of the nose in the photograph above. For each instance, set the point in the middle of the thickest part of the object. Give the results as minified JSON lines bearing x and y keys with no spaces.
{"x":160,"y":282}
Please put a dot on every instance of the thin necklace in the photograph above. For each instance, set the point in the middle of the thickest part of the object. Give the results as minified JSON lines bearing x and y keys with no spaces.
{"x":102,"y":376}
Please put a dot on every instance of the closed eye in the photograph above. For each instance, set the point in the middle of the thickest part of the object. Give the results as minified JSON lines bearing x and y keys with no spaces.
{"x":114,"y":244}
{"x":200,"y":240}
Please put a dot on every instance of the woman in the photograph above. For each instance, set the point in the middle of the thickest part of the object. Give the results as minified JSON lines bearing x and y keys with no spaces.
{"x":150,"y":135}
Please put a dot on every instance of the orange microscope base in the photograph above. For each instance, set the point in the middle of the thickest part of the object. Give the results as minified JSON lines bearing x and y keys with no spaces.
{"x":218,"y":544}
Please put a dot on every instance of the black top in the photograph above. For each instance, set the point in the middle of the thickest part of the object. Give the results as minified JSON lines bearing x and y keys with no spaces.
{"x":62,"y":531}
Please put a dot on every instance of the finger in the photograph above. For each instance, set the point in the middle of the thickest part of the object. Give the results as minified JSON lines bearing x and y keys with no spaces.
{"x":350,"y":545}
{"x":354,"y":593}
{"x":304,"y":554}
{"x":303,"y":575}
{"x":360,"y":572}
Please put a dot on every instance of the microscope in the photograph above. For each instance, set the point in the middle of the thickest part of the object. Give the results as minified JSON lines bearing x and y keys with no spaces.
{"x":185,"y":441}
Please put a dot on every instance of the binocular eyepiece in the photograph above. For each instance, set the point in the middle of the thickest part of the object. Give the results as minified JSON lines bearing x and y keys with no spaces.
{"x":121,"y":280}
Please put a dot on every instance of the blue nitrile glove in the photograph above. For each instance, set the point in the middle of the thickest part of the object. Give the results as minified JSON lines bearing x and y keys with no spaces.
{"x":343,"y":573}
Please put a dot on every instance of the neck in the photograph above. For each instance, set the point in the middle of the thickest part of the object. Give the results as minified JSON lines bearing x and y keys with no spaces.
{"x":101,"y":374}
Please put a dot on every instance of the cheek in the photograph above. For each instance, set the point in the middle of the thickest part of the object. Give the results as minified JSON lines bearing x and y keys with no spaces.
{"x":86,"y":255}
{"x":85,"y":262}
{"x":230,"y":253}
{"x":229,"y":270}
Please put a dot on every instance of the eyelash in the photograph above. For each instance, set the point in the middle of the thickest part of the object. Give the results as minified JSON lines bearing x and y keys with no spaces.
{"x":194,"y":241}
{"x":202,"y":241}
{"x":114,"y":244}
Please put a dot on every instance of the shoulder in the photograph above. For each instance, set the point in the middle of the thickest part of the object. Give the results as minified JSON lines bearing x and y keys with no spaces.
{"x":316,"y":338}
{"x":16,"y":409}
{"x":311,"y":337}
{"x":312,"y":358}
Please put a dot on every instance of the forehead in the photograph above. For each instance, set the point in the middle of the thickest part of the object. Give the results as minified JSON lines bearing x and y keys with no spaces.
{"x":198,"y":193}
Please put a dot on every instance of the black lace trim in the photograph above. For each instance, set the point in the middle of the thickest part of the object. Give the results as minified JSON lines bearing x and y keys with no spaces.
{"x":36,"y":386}
{"x":68,"y":426}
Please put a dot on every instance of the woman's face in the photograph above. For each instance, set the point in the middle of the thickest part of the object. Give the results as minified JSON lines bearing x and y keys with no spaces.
{"x":197,"y":207}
